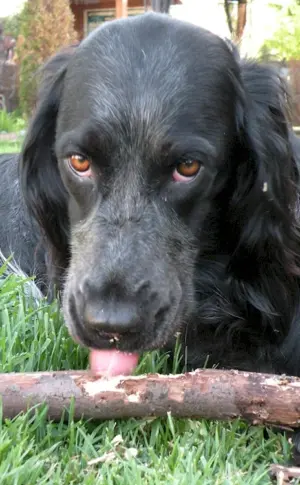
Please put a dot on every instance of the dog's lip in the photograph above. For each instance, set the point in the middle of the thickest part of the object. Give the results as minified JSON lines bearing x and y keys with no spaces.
{"x":124,"y":343}
{"x":104,"y":340}
{"x":111,"y":337}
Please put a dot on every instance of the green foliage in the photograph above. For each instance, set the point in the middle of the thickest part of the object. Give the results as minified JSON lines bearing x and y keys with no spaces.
{"x":11,"y":122}
{"x":45,"y":27}
{"x":12,"y":24}
{"x":285,"y":43}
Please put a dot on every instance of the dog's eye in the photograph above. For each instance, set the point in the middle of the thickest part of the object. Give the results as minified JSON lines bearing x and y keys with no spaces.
{"x":79,"y":164}
{"x":186,"y":170}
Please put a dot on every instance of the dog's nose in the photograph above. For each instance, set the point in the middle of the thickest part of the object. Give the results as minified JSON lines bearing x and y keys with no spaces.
{"x":111,"y":317}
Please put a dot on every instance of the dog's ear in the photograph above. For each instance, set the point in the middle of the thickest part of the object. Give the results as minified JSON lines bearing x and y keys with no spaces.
{"x":42,"y":187}
{"x":264,"y":202}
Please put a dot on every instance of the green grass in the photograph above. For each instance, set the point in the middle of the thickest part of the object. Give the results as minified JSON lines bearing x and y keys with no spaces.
{"x":168,"y":451}
{"x":171,"y":451}
{"x":9,"y":146}
{"x":10,"y":123}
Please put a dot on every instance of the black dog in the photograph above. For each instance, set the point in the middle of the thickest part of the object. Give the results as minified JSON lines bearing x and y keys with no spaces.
{"x":161,"y":179}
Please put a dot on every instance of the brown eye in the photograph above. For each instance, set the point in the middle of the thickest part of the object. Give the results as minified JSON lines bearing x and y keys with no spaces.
{"x":79,"y":163}
{"x":186,"y":170}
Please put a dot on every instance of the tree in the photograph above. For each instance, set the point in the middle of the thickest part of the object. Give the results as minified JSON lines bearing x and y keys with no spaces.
{"x":45,"y":27}
{"x":285,"y":42}
{"x":236,"y":20}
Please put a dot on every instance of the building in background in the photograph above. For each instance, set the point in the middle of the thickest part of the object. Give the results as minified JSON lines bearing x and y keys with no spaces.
{"x":91,"y":13}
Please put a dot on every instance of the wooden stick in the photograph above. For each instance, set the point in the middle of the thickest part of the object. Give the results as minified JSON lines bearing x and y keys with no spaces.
{"x":284,"y":473}
{"x":212,"y":394}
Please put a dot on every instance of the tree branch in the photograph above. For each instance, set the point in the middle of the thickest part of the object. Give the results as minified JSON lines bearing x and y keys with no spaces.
{"x":283,"y":473}
{"x":212,"y":394}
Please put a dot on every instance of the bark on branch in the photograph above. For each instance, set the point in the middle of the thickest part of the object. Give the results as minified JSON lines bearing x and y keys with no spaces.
{"x":212,"y":394}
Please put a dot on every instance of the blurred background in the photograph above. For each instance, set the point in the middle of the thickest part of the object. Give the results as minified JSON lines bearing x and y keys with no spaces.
{"x":33,"y":30}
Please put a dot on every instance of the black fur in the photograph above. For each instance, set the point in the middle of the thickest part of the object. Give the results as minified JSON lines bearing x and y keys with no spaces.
{"x":19,"y":232}
{"x":137,"y":255}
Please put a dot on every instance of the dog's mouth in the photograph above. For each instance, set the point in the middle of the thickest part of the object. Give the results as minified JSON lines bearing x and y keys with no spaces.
{"x":125,"y":342}
{"x":115,"y":354}
{"x":118,"y":353}
{"x":111,"y":338}
{"x":110,"y":353}
{"x":112,"y":361}
{"x":105,"y":357}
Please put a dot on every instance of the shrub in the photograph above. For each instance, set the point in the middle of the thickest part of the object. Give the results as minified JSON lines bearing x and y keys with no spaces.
{"x":45,"y":27}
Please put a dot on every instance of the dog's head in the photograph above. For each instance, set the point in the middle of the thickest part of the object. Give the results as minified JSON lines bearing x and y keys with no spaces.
{"x":151,"y":129}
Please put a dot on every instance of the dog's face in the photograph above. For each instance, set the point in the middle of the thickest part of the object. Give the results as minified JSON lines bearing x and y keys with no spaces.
{"x":141,"y":135}
{"x":135,"y":139}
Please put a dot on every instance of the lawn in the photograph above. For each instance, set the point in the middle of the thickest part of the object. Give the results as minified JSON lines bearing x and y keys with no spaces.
{"x":9,"y":147}
{"x":124,"y":452}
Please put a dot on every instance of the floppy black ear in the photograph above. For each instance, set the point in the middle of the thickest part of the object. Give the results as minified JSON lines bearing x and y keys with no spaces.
{"x":264,"y":203}
{"x":42,"y":187}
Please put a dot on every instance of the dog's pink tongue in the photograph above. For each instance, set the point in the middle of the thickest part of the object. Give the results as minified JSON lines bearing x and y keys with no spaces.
{"x":112,"y":362}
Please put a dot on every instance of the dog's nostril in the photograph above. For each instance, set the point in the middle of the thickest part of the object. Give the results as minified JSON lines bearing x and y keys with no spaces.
{"x":142,"y":289}
{"x":160,"y":314}
{"x":111,"y":318}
